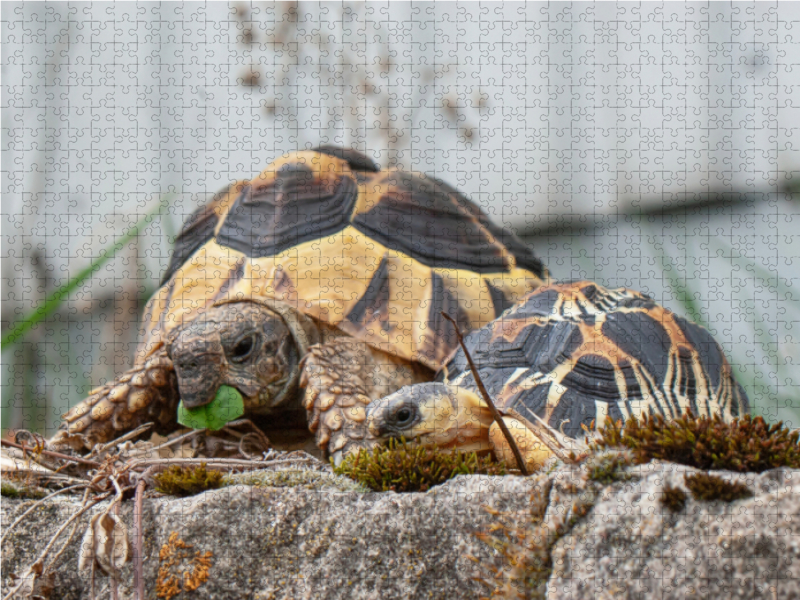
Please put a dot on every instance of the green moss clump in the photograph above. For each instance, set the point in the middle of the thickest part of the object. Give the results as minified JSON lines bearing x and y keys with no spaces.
{"x":401,"y":467}
{"x":673,"y":498}
{"x":710,"y":487}
{"x":9,"y":490}
{"x":747,"y":444}
{"x":14,"y":487}
{"x":609,"y":467}
{"x":188,"y":481}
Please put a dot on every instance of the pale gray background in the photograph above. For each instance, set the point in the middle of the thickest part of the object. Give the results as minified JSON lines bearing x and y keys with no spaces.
{"x":651,"y":146}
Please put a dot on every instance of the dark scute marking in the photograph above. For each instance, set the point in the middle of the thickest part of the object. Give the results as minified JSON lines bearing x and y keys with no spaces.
{"x":740,"y":403}
{"x":641,"y":336}
{"x":573,"y":408}
{"x":594,"y":377}
{"x":711,"y":356}
{"x":301,"y":170}
{"x":523,"y":253}
{"x":645,"y":303}
{"x":540,"y":346}
{"x":293,"y":209}
{"x":196,"y":231}
{"x":375,"y":301}
{"x":443,"y":335}
{"x":537,"y":304}
{"x":355,"y":159}
{"x":421,"y":218}
{"x":712,"y":360}
{"x":499,"y":300}
{"x":550,"y":345}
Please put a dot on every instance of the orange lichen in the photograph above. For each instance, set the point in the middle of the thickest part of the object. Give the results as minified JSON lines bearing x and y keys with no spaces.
{"x":180,"y":570}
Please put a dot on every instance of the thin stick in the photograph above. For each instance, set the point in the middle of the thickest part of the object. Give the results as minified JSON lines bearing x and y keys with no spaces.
{"x":138,"y":537}
{"x":25,"y":449}
{"x":101,"y":449}
{"x":114,"y":585}
{"x":77,"y":459}
{"x":495,"y":413}
{"x":56,"y":535}
{"x":71,"y":535}
{"x":180,"y":438}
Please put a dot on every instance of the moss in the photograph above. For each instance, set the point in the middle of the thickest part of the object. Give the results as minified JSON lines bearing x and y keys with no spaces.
{"x":609,"y":467}
{"x":747,"y":444}
{"x":706,"y":487}
{"x":9,"y":490}
{"x":673,"y":498}
{"x":401,"y":467}
{"x":524,"y":552}
{"x":314,"y":480}
{"x":14,"y":488}
{"x":187,"y":481}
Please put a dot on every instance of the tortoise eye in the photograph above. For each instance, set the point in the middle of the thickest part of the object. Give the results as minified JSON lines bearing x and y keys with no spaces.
{"x":404,"y":416}
{"x":243,"y":348}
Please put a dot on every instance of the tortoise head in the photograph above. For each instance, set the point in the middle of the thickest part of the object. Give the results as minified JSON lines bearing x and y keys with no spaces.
{"x":245,"y":345}
{"x":433,"y":414}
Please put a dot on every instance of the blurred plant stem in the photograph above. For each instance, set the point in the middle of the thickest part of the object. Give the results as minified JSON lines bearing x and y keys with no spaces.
{"x":54,"y":300}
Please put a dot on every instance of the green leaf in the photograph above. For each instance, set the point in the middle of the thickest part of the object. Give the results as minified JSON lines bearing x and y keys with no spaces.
{"x":226,"y":406}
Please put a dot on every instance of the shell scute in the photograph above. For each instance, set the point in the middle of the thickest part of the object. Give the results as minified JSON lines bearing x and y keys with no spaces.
{"x":576,"y":353}
{"x":377,"y":254}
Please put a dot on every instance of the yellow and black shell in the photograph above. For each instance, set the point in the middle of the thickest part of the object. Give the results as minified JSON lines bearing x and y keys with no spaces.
{"x":376,"y":254}
{"x":573,"y":354}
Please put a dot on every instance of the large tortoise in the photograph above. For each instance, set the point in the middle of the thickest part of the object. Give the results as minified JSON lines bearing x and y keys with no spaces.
{"x":323,"y":274}
{"x":562,"y":360}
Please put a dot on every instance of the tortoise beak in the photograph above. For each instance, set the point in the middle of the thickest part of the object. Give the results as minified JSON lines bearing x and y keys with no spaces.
{"x":200,"y":368}
{"x":198,"y":382}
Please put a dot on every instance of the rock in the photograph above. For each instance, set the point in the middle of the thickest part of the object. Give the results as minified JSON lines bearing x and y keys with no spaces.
{"x":314,"y":541}
{"x":630,"y":546}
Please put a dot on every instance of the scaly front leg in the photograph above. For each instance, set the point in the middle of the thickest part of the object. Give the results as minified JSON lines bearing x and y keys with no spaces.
{"x":143,"y":394}
{"x":340,"y":378}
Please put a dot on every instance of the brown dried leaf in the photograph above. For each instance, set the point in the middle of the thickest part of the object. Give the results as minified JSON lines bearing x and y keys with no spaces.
{"x":106,"y":543}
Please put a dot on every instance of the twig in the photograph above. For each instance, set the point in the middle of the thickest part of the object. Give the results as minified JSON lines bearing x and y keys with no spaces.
{"x":255,"y":431}
{"x":40,"y":560}
{"x":71,"y":535}
{"x":77,"y":459}
{"x":180,"y":438}
{"x":114,"y":584}
{"x":138,"y":536}
{"x":232,"y":463}
{"x":495,"y":413}
{"x":36,"y":504}
{"x":101,"y":449}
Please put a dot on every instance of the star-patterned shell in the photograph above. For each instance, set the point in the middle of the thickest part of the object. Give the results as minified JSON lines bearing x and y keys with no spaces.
{"x":576,"y":353}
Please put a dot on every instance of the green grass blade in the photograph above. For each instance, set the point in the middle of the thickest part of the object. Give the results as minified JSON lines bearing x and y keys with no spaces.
{"x":52,"y":302}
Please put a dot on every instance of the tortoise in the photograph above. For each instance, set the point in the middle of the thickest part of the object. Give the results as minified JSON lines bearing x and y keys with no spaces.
{"x":562,"y":360}
{"x":318,"y":284}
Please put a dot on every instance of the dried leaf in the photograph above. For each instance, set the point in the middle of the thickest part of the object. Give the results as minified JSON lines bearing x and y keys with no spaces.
{"x":106,"y":543}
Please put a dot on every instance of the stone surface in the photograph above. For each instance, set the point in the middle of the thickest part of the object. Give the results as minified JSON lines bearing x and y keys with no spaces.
{"x":316,"y":541}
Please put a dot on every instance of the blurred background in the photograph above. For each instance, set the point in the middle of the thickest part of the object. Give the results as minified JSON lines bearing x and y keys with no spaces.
{"x":651,"y":146}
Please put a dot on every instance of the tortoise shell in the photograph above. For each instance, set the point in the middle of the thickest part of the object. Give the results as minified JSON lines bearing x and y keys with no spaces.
{"x":376,"y":254}
{"x":573,"y":354}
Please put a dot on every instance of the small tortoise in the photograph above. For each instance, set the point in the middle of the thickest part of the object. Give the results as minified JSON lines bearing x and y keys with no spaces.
{"x":568,"y":355}
{"x":324,"y":274}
